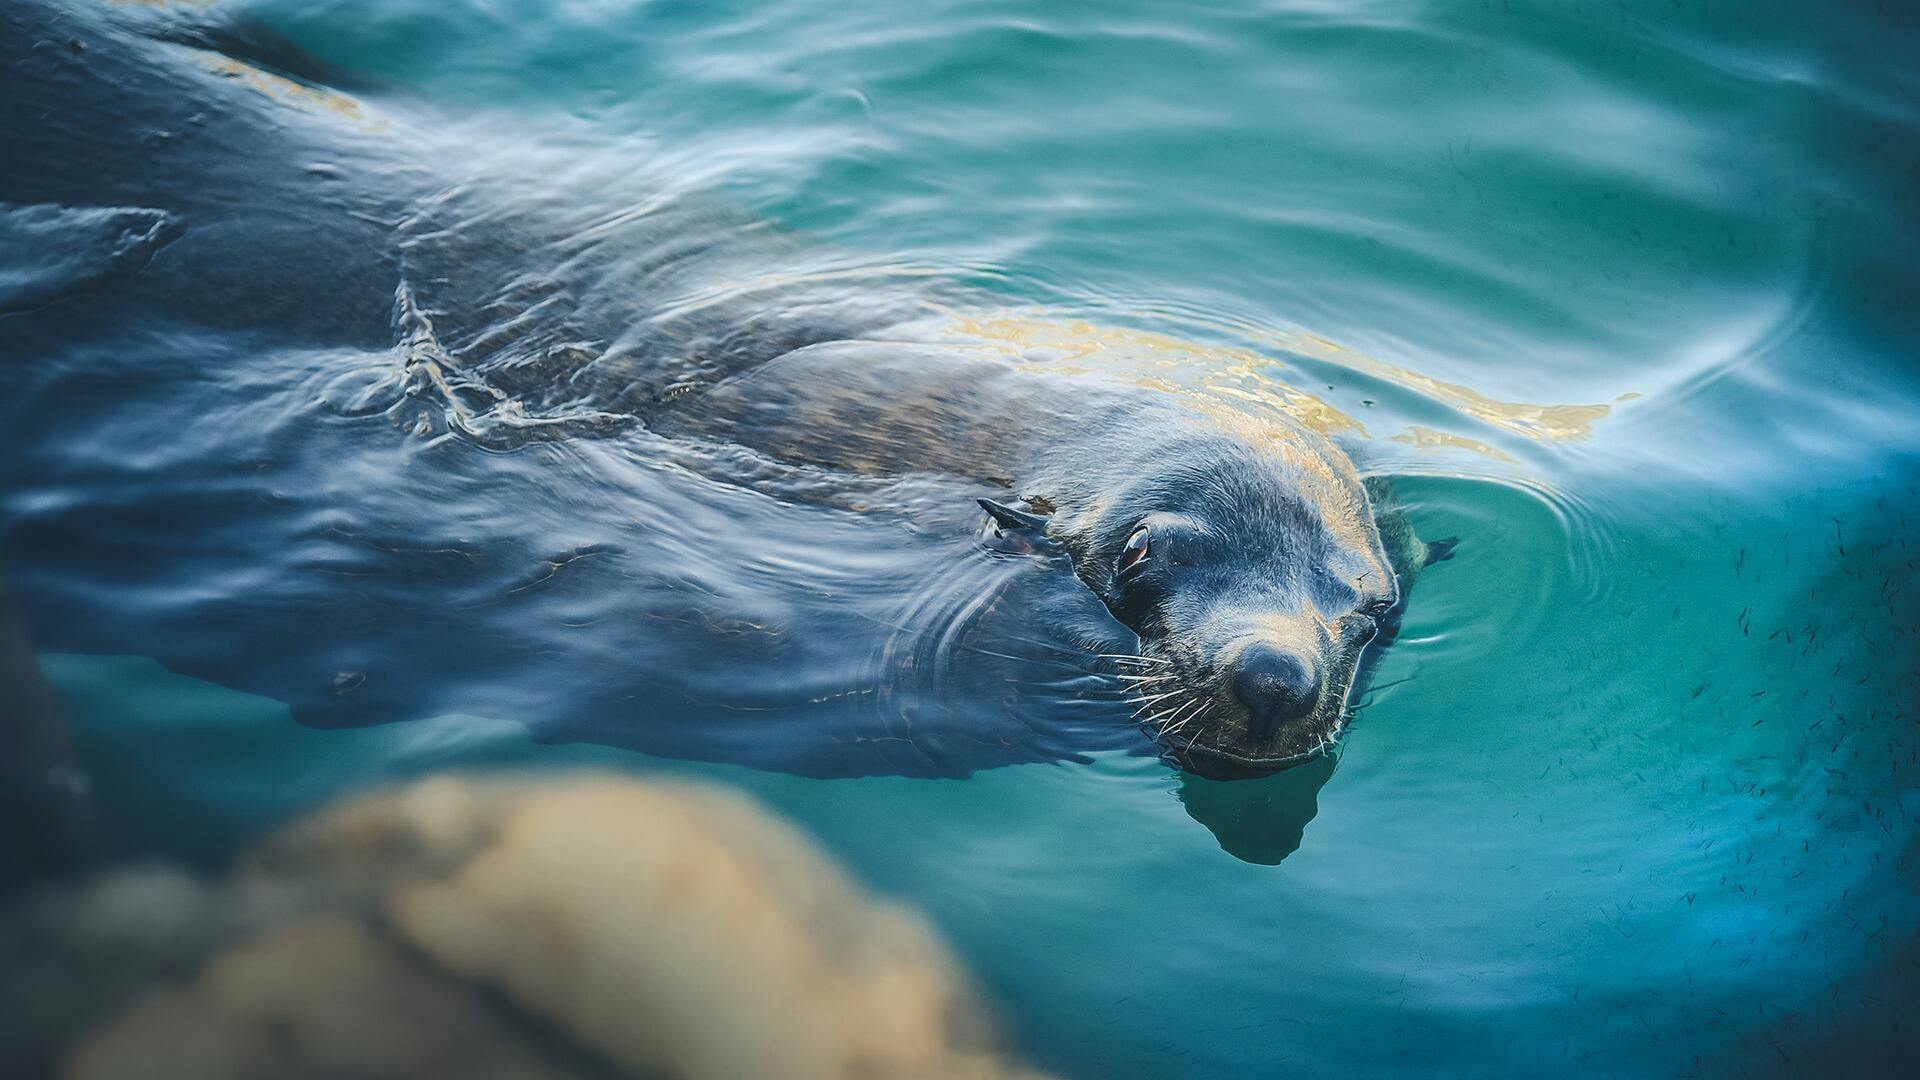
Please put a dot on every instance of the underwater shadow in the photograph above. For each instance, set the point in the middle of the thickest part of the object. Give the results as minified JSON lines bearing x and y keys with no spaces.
{"x":1258,"y":821}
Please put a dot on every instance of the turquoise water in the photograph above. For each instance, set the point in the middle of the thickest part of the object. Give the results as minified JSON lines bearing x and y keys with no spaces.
{"x":1624,"y":292}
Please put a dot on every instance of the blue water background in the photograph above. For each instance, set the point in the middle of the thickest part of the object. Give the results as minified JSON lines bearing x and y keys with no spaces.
{"x":1627,"y":291}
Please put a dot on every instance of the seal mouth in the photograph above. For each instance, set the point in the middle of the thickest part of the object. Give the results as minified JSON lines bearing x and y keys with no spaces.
{"x":1216,"y":763}
{"x":1201,"y":723}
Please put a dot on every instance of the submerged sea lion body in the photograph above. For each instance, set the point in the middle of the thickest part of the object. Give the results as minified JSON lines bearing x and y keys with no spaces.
{"x":1266,"y":564}
{"x":1236,"y":551}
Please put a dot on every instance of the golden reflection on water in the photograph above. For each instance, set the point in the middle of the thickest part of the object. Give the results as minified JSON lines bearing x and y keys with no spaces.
{"x":1166,"y":362}
{"x":1418,"y":435}
{"x":1154,"y":360}
{"x":283,"y":89}
{"x":1546,"y":423}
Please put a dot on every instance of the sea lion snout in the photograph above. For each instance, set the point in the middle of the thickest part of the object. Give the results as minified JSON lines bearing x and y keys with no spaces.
{"x":1275,"y":685}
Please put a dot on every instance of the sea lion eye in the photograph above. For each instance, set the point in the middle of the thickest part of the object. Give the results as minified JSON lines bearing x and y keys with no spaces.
{"x":1135,"y":552}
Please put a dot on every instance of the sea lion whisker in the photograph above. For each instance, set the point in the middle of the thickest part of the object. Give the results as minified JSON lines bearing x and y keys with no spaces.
{"x":1174,"y":723}
{"x":1132,"y":656}
{"x":982,"y":651}
{"x":1149,"y":703}
{"x":1159,"y":715}
{"x":1161,"y":696}
{"x":1204,"y":713}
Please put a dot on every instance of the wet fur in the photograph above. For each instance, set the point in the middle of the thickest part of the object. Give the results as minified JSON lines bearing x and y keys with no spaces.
{"x":1288,"y":549}
{"x":128,"y":108}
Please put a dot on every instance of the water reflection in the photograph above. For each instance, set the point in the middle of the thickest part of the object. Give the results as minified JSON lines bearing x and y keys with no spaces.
{"x":1261,"y":820}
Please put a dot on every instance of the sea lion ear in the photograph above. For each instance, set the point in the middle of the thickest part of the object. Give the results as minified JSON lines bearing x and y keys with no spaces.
{"x":1441,"y":550}
{"x":1010,"y":518}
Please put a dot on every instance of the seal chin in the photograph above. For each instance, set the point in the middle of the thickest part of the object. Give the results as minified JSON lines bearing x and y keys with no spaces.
{"x":1242,"y":760}
{"x":1212,"y":763}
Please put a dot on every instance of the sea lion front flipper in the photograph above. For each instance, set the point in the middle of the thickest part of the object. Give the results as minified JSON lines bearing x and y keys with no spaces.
{"x":1014,"y":519}
{"x":1015,"y":531}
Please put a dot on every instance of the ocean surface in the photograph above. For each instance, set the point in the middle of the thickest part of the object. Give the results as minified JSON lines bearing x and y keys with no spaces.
{"x":1625,"y":295}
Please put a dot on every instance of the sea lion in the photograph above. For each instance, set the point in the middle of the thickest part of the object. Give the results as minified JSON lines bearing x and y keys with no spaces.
{"x":1241,"y":563}
{"x":1244,"y":550}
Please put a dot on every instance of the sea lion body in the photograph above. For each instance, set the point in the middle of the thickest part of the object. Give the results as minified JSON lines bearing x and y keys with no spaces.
{"x":511,"y":308}
{"x":1273,"y":544}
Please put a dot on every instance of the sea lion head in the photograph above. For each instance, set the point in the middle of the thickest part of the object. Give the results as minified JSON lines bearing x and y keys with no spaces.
{"x":1250,"y":565}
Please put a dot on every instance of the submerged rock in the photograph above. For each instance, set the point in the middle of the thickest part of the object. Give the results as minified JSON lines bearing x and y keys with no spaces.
{"x":576,"y":927}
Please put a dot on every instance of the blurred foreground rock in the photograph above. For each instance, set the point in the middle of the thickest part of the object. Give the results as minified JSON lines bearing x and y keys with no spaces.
{"x":583,"y":927}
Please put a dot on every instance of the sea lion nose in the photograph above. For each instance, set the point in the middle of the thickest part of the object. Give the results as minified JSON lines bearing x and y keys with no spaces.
{"x":1275,"y":685}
